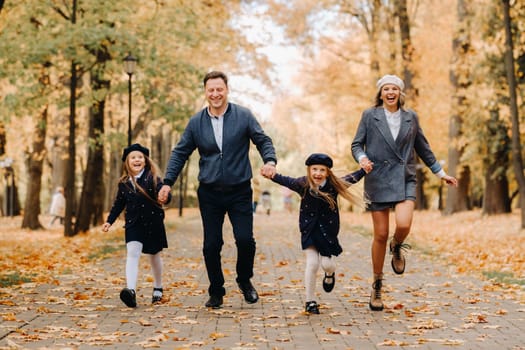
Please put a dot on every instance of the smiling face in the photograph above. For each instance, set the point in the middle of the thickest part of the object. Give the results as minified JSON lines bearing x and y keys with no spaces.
{"x":390,"y":95}
{"x":136,"y":162}
{"x":216,"y":95}
{"x":318,"y":173}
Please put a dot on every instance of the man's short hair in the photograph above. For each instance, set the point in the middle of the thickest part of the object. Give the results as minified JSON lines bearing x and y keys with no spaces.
{"x":214,"y":75}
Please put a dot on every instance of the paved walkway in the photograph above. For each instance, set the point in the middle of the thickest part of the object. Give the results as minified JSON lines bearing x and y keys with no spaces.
{"x":427,"y":307}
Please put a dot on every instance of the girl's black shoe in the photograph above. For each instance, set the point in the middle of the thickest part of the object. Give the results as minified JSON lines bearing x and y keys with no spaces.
{"x":128,"y":297}
{"x":312,"y":307}
{"x":157,"y":297}
{"x":328,"y":286}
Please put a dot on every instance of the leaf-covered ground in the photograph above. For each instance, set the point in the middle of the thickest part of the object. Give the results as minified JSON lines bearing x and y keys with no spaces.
{"x":70,"y":300}
{"x":492,"y":246}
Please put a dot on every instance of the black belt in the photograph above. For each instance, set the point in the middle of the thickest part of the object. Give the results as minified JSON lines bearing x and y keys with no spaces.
{"x":225,"y":188}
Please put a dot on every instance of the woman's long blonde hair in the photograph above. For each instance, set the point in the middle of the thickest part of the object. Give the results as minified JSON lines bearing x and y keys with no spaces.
{"x":343,"y":188}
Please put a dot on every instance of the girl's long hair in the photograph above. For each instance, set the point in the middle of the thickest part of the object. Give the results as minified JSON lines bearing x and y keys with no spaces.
{"x":150,"y":167}
{"x":343,"y":188}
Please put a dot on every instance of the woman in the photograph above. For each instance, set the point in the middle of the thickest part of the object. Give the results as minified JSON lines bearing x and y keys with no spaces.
{"x":386,"y":139}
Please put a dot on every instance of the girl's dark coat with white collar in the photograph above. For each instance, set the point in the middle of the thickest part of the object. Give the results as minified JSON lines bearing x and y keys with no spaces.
{"x":144,"y":215}
{"x":319,"y":225}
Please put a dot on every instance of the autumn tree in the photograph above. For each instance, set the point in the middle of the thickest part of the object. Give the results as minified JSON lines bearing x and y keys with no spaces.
{"x":91,"y":204}
{"x":369,"y":15}
{"x":69,"y":176}
{"x":496,"y":161}
{"x":460,"y":78}
{"x":35,"y":160}
{"x":31,"y":95}
{"x":400,"y":10}
{"x":173,"y":45}
{"x":517,"y":161}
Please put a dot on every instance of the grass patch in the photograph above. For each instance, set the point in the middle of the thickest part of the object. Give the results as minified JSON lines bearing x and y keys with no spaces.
{"x":104,"y":251}
{"x":66,"y":271}
{"x":12,"y":279}
{"x":503,"y":277}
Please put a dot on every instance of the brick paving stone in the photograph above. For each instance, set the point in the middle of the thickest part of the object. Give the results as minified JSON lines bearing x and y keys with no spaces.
{"x":429,"y":307}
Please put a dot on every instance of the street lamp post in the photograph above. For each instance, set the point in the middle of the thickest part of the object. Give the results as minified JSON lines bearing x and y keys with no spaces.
{"x":129,"y":66}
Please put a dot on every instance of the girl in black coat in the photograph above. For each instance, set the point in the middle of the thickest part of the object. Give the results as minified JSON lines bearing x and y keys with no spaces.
{"x":145,"y":232}
{"x":319,"y":219}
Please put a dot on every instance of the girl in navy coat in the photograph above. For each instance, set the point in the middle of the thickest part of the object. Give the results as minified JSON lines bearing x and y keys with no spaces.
{"x":319,"y":219}
{"x":145,"y":232}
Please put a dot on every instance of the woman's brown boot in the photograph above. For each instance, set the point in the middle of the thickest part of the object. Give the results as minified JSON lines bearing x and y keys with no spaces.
{"x":376,"y":304}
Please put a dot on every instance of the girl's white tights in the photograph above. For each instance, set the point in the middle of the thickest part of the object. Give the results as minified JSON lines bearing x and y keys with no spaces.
{"x":313,"y":260}
{"x":134,"y":249}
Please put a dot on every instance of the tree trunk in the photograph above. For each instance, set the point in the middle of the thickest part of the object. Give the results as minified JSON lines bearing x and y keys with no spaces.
{"x":35,"y":167}
{"x":3,"y":138}
{"x":10,"y":203}
{"x":115,"y":171}
{"x":496,"y":197}
{"x":3,"y":141}
{"x":464,"y":180}
{"x":70,"y":189}
{"x":91,"y":205}
{"x":58,"y":166}
{"x":369,"y":14}
{"x":373,"y":41}
{"x":392,"y":39}
{"x":517,"y":160}
{"x":407,"y":52}
{"x":457,"y":197}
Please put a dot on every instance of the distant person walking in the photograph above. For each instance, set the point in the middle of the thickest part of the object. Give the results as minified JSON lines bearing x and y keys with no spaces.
{"x":266,"y":201}
{"x":58,"y":206}
{"x":222,"y":133}
{"x":387,"y":136}
{"x":319,"y":219}
{"x":145,"y":231}
{"x":287,"y":199}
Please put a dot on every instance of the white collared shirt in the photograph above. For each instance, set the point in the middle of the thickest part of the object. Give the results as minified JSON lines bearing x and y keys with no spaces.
{"x":136,"y":177}
{"x":394,"y":122}
{"x":217,"y":123}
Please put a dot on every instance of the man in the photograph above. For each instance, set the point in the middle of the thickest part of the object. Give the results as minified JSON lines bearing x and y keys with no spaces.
{"x":222,"y":133}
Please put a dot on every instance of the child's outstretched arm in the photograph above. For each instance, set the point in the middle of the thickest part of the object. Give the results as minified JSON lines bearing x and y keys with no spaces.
{"x":295,"y":184}
{"x":355,"y":176}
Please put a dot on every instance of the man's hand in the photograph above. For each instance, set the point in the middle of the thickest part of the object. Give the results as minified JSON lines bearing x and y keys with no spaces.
{"x":268,"y":170}
{"x":163,"y":194}
{"x":106,"y":227}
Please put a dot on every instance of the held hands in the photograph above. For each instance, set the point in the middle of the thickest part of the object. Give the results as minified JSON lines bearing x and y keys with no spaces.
{"x":268,"y":170}
{"x":106,"y":226}
{"x":366,"y":164}
{"x":163,"y":194}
